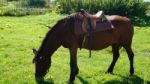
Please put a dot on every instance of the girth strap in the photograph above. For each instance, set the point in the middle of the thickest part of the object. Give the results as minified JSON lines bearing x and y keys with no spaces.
{"x":88,"y":34}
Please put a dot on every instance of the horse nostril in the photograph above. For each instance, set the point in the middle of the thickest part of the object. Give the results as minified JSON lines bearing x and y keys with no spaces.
{"x":47,"y":71}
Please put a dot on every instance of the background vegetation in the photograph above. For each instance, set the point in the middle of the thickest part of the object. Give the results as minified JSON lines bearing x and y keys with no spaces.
{"x":120,"y":7}
{"x":23,"y":7}
{"x":135,"y":9}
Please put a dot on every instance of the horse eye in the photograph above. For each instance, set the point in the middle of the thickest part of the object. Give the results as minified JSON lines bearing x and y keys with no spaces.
{"x":40,"y":57}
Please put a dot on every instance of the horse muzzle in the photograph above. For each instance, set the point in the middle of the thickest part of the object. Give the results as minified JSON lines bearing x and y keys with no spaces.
{"x":39,"y":79}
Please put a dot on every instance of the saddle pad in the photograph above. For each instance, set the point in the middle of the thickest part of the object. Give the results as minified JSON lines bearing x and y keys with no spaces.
{"x":103,"y":25}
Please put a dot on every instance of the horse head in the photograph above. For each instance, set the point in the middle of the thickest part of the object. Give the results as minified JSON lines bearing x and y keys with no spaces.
{"x":42,"y":64}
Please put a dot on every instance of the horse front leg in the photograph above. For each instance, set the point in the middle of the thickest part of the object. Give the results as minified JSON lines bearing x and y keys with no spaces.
{"x":73,"y":64}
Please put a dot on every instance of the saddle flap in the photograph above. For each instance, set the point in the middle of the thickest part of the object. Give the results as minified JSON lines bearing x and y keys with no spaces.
{"x":78,"y":27}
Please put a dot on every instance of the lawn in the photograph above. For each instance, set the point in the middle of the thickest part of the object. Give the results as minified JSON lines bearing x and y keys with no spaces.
{"x":18,"y":35}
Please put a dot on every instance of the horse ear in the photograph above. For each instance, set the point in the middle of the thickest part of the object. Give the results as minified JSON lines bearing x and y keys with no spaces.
{"x":34,"y":51}
{"x":33,"y":61}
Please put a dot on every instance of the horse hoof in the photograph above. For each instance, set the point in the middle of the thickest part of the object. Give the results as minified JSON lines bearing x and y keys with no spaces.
{"x":108,"y":72}
{"x":130,"y":75}
{"x":39,"y":79}
{"x":70,"y":82}
{"x":76,"y":73}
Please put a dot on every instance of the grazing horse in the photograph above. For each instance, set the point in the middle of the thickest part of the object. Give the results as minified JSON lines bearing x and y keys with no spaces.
{"x":63,"y":33}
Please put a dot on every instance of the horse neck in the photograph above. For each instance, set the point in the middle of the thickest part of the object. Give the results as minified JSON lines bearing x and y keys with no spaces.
{"x":53,"y":38}
{"x":50,"y":44}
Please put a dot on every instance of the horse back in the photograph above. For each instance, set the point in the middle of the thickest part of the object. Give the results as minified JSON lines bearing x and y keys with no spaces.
{"x":123,"y":27}
{"x":121,"y":33}
{"x":117,"y":18}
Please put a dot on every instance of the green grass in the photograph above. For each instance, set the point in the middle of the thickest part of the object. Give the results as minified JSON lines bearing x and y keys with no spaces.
{"x":18,"y":35}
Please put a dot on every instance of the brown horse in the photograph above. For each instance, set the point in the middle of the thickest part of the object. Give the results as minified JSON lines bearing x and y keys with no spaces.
{"x":63,"y":34}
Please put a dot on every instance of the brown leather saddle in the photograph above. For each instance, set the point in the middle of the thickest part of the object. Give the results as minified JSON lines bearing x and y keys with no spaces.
{"x":89,"y":24}
{"x":96,"y":22}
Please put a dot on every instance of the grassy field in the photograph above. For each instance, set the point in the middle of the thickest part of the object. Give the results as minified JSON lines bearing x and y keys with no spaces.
{"x":18,"y":35}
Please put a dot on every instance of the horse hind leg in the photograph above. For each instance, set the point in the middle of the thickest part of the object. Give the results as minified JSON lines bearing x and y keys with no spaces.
{"x":131,"y":58}
{"x":115,"y":50}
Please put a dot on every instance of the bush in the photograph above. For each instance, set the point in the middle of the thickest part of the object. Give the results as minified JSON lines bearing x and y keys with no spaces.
{"x":37,"y":3}
{"x":3,"y":3}
{"x":119,"y":7}
{"x":22,"y":11}
{"x":13,"y":0}
{"x":21,"y":8}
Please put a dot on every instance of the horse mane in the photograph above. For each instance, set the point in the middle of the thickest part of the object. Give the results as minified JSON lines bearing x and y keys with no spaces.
{"x":64,"y":20}
{"x":54,"y":28}
{"x":50,"y":34}
{"x":74,"y":16}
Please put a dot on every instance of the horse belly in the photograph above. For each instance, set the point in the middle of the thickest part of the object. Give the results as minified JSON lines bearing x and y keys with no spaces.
{"x":101,"y":40}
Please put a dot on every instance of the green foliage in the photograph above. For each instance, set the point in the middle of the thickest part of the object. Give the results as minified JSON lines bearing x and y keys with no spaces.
{"x":3,"y":3}
{"x":37,"y":3}
{"x":23,"y":7}
{"x":13,"y":0}
{"x":141,"y":21}
{"x":23,"y":11}
{"x":119,"y":7}
{"x":18,"y":35}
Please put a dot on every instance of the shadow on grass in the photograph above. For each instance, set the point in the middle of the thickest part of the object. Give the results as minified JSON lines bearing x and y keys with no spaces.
{"x":128,"y":80}
{"x":125,"y":80}
{"x":48,"y":81}
{"x":83,"y":81}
